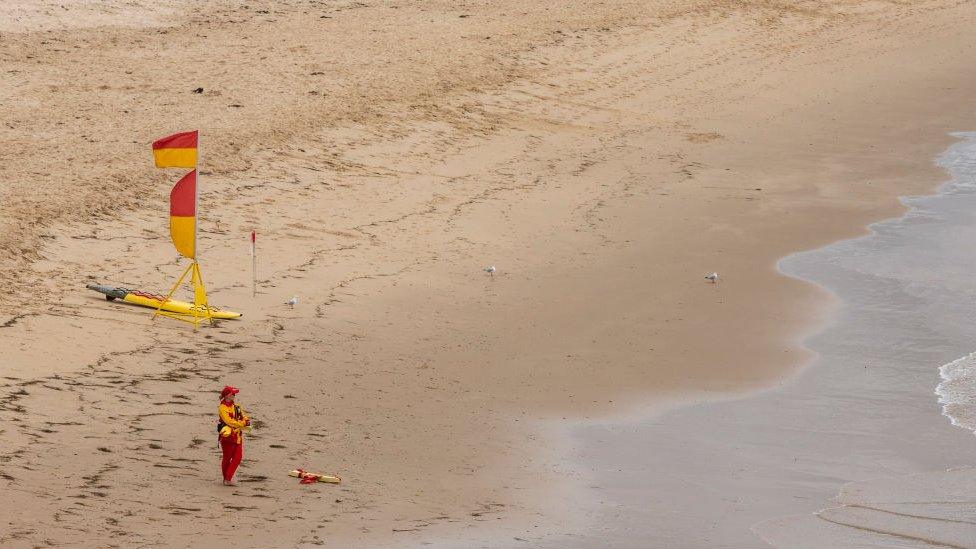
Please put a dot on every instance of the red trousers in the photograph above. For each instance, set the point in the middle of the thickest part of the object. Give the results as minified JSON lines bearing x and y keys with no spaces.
{"x":233,"y":453}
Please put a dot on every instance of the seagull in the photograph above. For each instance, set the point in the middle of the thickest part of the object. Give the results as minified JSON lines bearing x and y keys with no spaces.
{"x":712,"y":276}
{"x":490,"y":269}
{"x":293,"y":301}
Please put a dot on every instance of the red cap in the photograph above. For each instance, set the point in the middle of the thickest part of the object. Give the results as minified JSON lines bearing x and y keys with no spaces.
{"x":228,"y":390}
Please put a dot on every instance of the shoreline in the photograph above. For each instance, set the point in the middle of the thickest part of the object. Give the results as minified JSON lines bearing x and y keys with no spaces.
{"x":935,"y":467}
{"x":880,"y":463}
{"x":422,"y":347}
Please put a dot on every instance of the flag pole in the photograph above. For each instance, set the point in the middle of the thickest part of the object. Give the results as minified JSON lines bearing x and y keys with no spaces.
{"x":254,"y":263}
{"x":199,"y":289}
{"x":196,"y":204}
{"x":196,"y":225}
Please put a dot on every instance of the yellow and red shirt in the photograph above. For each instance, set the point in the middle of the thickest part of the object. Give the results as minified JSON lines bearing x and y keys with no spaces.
{"x":234,"y":424}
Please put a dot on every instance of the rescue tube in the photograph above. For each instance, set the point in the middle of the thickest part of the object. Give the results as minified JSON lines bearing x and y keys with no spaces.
{"x":308,"y":478}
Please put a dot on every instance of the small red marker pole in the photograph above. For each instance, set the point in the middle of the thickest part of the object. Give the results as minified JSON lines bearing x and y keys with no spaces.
{"x":254,"y":263}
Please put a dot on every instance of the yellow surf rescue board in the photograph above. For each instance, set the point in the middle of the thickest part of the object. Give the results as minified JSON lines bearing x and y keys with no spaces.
{"x":152,"y":301}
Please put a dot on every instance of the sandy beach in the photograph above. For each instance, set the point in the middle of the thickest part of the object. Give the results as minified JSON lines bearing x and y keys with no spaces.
{"x":604,"y":156}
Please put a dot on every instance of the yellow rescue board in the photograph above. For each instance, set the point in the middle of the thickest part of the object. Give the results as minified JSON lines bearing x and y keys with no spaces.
{"x":321,"y":478}
{"x":173,"y":306}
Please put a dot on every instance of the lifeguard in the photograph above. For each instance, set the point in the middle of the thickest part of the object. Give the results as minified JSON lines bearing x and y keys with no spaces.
{"x":232,"y":420}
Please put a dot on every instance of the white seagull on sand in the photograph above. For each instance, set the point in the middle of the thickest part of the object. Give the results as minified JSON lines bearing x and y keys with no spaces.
{"x":293,"y":301}
{"x":490,"y":269}
{"x":712,"y":276}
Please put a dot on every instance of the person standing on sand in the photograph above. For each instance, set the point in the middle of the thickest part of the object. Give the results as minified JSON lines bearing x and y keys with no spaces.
{"x":231,"y":420}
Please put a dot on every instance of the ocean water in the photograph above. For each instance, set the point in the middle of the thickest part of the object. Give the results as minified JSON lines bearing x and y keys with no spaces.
{"x":957,"y":391}
{"x":867,"y":446}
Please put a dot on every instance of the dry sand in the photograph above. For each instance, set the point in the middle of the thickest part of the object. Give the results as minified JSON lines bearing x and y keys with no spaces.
{"x":604,"y":156}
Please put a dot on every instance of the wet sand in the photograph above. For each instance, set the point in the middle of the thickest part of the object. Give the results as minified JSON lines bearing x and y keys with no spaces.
{"x":604,"y":159}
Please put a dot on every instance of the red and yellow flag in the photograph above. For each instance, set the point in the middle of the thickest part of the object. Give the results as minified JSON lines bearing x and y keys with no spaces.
{"x":183,"y":215}
{"x":176,"y":151}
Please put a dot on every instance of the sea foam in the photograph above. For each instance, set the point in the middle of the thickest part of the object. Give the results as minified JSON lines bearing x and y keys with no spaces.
{"x":957,"y":392}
